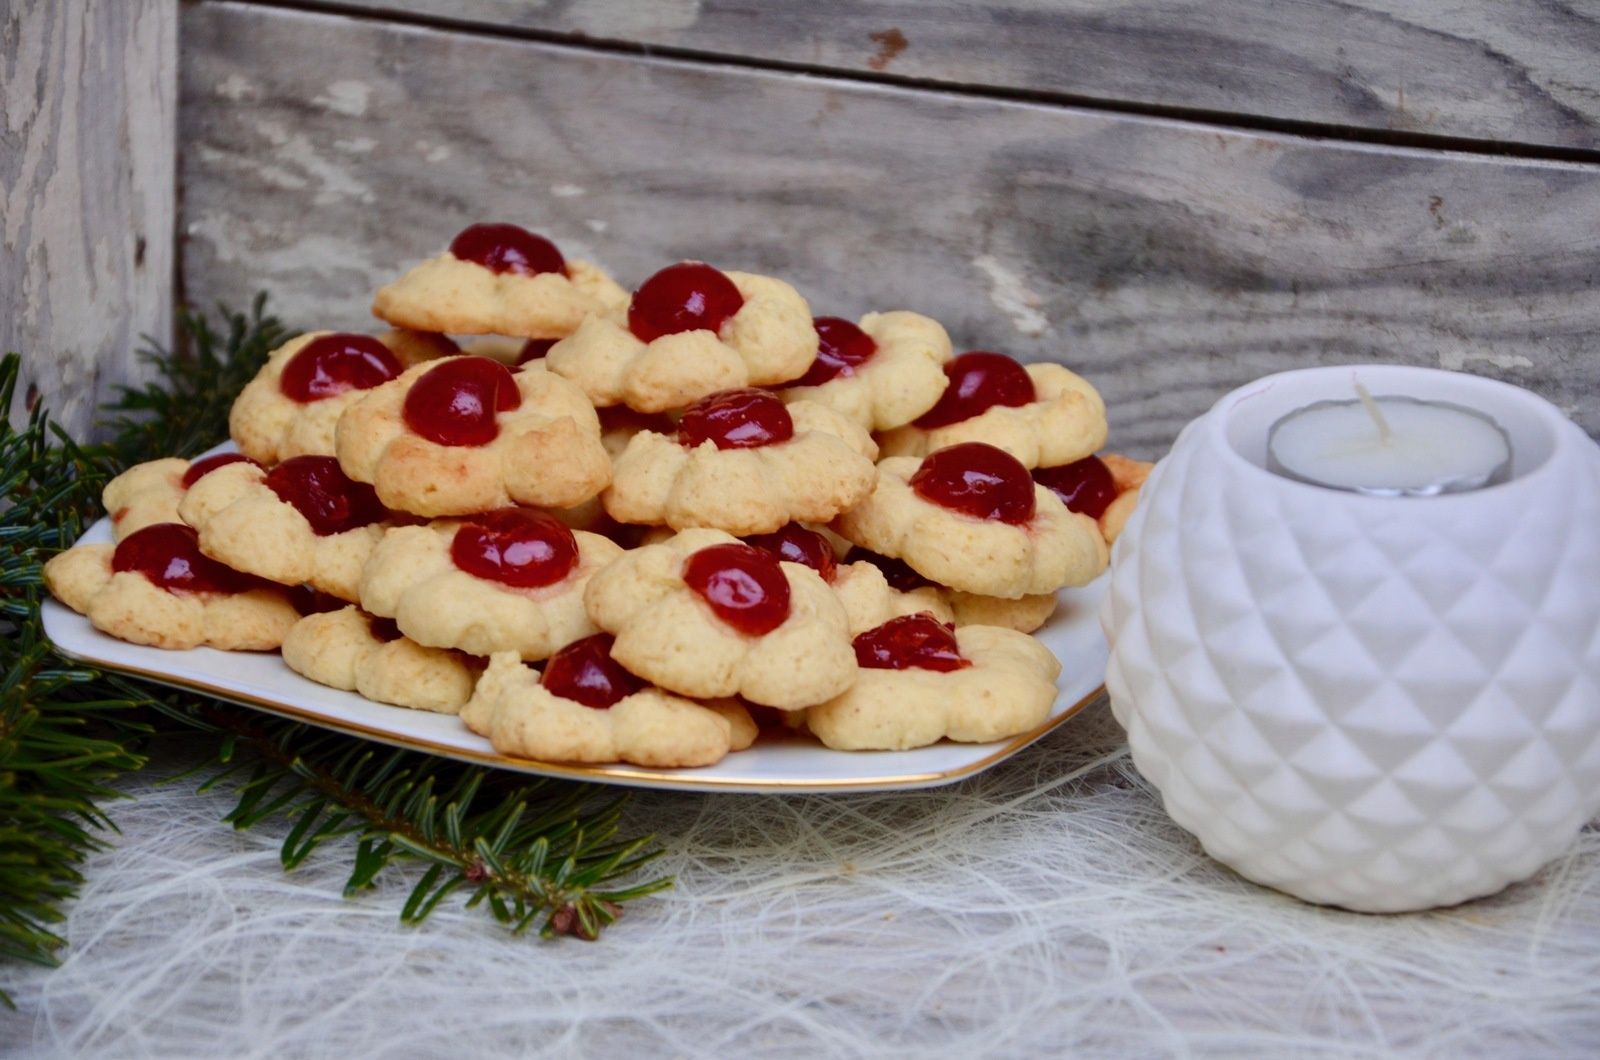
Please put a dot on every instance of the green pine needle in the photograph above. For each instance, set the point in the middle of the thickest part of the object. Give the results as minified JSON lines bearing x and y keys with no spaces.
{"x":541,"y":852}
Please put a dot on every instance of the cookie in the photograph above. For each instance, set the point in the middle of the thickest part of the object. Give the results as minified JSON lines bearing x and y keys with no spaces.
{"x":156,"y":587}
{"x":1042,"y":414}
{"x":689,"y":331}
{"x":922,"y":681}
{"x":1105,"y":488}
{"x":303,"y":522}
{"x":744,"y":462}
{"x":356,"y":652}
{"x":706,"y":616}
{"x":291,"y":406}
{"x":499,"y":279}
{"x":507,"y":580}
{"x":587,"y":708}
{"x":150,"y":492}
{"x":970,"y":517}
{"x":882,"y":374}
{"x":1024,"y":614}
{"x":466,"y":434}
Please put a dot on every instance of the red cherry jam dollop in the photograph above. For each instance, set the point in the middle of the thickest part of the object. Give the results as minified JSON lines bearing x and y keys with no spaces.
{"x":978,"y":382}
{"x":169,"y":555}
{"x":507,"y":248}
{"x":201,"y":468}
{"x":330,"y":500}
{"x":841,"y":349}
{"x":976,"y":479}
{"x":744,"y":586}
{"x":515,"y":546}
{"x":455,"y":403}
{"x":796,"y":544}
{"x":330,"y":365}
{"x":736,"y":419}
{"x":1084,"y":486}
{"x":919,"y":641}
{"x":383,"y":629}
{"x":585,"y":672}
{"x":897,"y":572}
{"x":688,"y":296}
{"x":534,"y":350}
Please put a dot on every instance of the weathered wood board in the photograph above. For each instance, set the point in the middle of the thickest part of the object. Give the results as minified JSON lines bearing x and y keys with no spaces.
{"x":1168,"y":261}
{"x":1485,"y":69}
{"x":88,"y":105}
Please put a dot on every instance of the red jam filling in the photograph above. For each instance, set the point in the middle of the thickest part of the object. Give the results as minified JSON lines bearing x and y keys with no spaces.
{"x":978,"y":381}
{"x":383,"y":629}
{"x":920,"y":641}
{"x":309,"y":601}
{"x":329,"y":499}
{"x":507,"y":248}
{"x":169,"y":555}
{"x":798,"y":545}
{"x":585,"y":672}
{"x":535,"y":349}
{"x":201,"y":468}
{"x":455,"y":403}
{"x":744,"y":586}
{"x":1084,"y":486}
{"x":622,"y":418}
{"x":332,"y":364}
{"x":688,"y":296}
{"x":897,"y":572}
{"x":841,"y":349}
{"x":515,"y":546}
{"x":736,"y":419}
{"x":976,"y":479}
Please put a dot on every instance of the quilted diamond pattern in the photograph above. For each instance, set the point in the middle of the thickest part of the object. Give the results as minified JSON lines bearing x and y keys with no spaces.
{"x":1383,"y":705}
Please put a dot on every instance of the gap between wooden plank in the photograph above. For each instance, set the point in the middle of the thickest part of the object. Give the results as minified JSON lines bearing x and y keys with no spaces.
{"x":1195,"y":115}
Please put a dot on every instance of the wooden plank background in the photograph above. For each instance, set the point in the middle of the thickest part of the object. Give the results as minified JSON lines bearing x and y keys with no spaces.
{"x":88,"y":105}
{"x":1483,"y":69}
{"x":1168,"y":260}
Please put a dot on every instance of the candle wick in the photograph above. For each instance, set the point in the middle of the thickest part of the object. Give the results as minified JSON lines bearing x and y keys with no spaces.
{"x":1367,"y":402}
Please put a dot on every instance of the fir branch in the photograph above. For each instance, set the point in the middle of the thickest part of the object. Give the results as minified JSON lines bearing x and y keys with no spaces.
{"x":185,"y":409}
{"x":544,"y":852}
{"x":61,"y":739}
{"x":541,"y":851}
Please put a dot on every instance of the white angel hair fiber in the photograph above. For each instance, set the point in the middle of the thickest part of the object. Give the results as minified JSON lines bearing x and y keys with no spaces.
{"x":1047,"y":907}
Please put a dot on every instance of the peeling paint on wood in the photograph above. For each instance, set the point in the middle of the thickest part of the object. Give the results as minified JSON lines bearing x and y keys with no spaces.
{"x":1167,"y":261}
{"x":87,"y":122}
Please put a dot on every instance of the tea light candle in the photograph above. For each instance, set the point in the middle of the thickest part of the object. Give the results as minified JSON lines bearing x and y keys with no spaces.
{"x":1390,"y":446}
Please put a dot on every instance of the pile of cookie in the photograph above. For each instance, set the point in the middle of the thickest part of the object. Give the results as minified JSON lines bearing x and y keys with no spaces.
{"x":643,"y":528}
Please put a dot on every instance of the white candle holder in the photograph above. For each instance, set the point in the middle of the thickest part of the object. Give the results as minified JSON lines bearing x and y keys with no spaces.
{"x":1379,"y":703}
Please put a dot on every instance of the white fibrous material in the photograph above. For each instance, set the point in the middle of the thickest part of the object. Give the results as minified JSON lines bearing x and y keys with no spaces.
{"x":1047,"y":907}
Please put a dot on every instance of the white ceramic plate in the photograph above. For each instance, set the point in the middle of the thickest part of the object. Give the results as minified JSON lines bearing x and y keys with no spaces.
{"x":261,"y":680}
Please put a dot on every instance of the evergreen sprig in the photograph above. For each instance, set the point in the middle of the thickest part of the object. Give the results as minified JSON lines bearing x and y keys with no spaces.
{"x":544,"y":852}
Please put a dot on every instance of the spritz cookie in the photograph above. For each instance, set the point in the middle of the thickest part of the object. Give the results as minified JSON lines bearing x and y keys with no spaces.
{"x":922,"y":681}
{"x":156,"y":587}
{"x":970,"y":517}
{"x":292,"y":405}
{"x":585,"y":707}
{"x":303,"y":522}
{"x":467,"y":434}
{"x":744,"y":462}
{"x":1042,"y":414}
{"x":357,"y":652}
{"x":690,"y":330}
{"x":499,"y":279}
{"x":506,"y":580}
{"x":705,"y":615}
{"x":882,"y":373}
{"x":150,"y":492}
